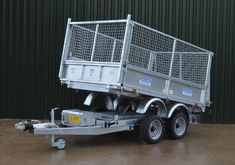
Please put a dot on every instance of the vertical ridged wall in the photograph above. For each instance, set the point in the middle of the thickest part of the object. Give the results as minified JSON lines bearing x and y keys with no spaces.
{"x":31,"y":41}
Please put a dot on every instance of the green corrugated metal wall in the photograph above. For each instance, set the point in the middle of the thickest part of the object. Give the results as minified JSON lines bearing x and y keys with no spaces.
{"x":31,"y":41}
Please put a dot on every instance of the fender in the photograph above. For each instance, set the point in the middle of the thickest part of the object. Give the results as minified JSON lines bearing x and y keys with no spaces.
{"x":175,"y":107}
{"x":144,"y":105}
{"x":91,"y":98}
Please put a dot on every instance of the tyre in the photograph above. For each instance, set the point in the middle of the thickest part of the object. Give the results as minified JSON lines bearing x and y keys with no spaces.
{"x":151,"y":129}
{"x":60,"y":143}
{"x":177,"y":126}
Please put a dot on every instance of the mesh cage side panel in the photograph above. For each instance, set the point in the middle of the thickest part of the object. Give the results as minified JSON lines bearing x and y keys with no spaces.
{"x":81,"y":44}
{"x":149,"y":41}
{"x":152,"y":50}
{"x":82,"y":40}
{"x":193,"y":67}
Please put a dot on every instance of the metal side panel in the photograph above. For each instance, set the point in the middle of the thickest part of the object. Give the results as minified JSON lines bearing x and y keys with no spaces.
{"x":92,"y":77}
{"x":86,"y":85}
{"x":144,"y":83}
{"x":93,"y":73}
{"x":186,"y":93}
{"x":154,"y":85}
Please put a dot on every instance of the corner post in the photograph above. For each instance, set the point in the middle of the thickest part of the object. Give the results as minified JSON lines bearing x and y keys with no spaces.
{"x":65,"y":48}
{"x":125,"y":47}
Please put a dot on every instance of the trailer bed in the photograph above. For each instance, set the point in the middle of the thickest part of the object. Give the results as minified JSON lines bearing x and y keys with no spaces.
{"x":127,"y":58}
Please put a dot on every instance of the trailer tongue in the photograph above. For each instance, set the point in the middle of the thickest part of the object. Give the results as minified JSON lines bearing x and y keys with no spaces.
{"x":78,"y":122}
{"x":138,"y":78}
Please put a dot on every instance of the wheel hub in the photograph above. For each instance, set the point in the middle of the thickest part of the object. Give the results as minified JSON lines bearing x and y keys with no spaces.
{"x":180,"y":126}
{"x":60,"y":143}
{"x":155,"y":129}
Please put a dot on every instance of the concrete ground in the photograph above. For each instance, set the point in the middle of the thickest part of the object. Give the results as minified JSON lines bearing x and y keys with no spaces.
{"x":203,"y":145}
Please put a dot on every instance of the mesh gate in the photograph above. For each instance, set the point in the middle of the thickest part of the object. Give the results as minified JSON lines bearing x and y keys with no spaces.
{"x":102,"y":43}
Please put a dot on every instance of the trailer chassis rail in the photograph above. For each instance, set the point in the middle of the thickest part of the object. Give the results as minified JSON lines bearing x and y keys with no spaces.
{"x":101,"y":127}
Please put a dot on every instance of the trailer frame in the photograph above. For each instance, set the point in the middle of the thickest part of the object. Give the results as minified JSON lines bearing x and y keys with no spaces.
{"x":146,"y":79}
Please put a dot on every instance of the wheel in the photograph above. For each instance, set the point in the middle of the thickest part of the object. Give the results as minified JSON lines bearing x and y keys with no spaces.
{"x":177,"y":126}
{"x":60,"y":143}
{"x":151,"y":129}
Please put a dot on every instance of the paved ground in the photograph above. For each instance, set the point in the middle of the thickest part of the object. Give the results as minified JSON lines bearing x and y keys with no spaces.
{"x":204,"y":145}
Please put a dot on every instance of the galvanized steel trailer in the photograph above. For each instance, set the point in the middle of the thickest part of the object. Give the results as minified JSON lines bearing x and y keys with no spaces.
{"x":138,"y":76}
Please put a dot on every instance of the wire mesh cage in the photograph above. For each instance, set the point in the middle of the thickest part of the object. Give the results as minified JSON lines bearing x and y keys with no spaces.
{"x":148,"y":49}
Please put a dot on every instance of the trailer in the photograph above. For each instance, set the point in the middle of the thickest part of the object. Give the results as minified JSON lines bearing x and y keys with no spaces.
{"x":139,"y":79}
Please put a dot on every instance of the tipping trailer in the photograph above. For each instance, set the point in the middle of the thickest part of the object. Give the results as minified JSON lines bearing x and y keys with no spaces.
{"x":138,"y":78}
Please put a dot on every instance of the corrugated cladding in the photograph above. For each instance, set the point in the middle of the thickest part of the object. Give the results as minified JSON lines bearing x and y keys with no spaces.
{"x":31,"y":42}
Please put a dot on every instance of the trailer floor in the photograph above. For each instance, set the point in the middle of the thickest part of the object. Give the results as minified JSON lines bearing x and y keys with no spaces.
{"x":204,"y":145}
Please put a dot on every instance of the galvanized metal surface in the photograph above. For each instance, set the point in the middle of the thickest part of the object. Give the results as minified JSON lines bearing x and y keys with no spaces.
{"x":31,"y":42}
{"x":90,"y":47}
